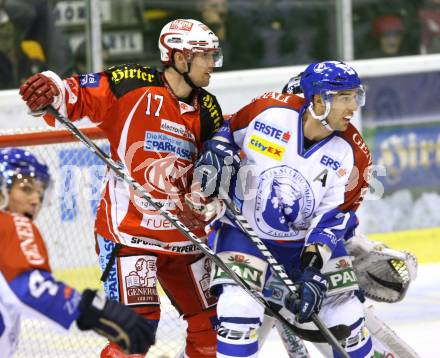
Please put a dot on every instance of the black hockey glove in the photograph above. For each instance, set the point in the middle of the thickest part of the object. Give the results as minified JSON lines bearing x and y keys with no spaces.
{"x":312,"y":289}
{"x":217,"y":166}
{"x":132,"y":332}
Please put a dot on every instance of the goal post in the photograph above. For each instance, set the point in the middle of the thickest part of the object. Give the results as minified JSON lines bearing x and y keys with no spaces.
{"x":66,"y":222}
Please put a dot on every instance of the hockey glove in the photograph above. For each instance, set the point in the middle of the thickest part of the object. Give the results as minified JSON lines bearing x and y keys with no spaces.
{"x":312,"y":288}
{"x":217,"y":166}
{"x":190,"y":218}
{"x":384,"y":274}
{"x":206,"y":209}
{"x":132,"y":332}
{"x":39,"y":91}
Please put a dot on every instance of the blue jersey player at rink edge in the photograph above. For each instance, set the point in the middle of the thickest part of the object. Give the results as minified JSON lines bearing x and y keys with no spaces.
{"x":27,"y":286}
{"x":304,"y":172}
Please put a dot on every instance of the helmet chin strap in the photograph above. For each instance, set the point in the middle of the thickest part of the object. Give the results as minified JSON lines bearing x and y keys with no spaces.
{"x":322,"y":118}
{"x":185,"y":75}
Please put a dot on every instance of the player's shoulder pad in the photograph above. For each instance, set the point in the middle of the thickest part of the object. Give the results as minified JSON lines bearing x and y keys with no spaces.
{"x":276,"y":99}
{"x":211,"y":117}
{"x":357,"y":143}
{"x":125,"y":78}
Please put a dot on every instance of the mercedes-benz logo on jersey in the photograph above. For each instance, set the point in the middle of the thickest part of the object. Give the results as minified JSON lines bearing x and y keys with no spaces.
{"x":284,"y":203}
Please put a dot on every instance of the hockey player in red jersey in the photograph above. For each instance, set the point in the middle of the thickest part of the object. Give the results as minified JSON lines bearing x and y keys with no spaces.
{"x":156,"y":123}
{"x":27,"y":287}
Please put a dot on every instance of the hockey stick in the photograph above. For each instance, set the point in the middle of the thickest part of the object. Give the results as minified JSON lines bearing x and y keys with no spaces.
{"x":387,"y":337}
{"x":279,"y":271}
{"x":157,"y":205}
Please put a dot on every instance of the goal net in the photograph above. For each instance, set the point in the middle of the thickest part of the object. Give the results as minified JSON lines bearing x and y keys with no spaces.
{"x":66,"y":222}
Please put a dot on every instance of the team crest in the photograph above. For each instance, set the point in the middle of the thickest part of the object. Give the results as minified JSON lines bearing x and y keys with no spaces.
{"x":284,"y":203}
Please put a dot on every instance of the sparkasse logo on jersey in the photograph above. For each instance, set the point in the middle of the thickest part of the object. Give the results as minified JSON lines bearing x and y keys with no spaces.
{"x":266,"y":147}
{"x":164,"y":143}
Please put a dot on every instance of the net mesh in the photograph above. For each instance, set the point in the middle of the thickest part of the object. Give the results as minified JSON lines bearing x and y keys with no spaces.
{"x":66,"y":223}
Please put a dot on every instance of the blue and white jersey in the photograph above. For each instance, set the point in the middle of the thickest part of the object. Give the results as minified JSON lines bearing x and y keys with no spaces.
{"x":287,"y":192}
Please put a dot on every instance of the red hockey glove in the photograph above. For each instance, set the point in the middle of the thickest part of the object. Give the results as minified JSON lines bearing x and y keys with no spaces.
{"x":39,"y":91}
{"x":207,"y":209}
{"x":189,"y":218}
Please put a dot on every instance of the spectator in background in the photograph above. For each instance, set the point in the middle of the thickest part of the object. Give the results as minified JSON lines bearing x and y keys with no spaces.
{"x":6,"y":72}
{"x":429,"y":15}
{"x":40,"y":45}
{"x":79,"y":57}
{"x":242,"y":45}
{"x":388,"y":38}
{"x":389,"y":32}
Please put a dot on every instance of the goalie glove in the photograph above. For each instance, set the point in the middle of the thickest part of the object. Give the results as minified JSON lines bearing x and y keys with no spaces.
{"x":384,"y":274}
{"x":132,"y":332}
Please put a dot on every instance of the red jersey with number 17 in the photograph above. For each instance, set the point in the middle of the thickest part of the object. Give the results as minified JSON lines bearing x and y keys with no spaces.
{"x":155,"y":136}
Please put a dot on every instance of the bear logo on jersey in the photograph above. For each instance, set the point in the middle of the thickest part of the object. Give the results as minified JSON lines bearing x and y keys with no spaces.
{"x":284,"y":203}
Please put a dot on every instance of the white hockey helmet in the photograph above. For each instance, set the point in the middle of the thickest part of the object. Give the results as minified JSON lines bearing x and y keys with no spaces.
{"x":188,"y":36}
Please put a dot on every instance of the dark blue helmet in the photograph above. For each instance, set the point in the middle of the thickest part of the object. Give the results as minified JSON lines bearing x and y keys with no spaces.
{"x":17,"y":163}
{"x":330,"y":76}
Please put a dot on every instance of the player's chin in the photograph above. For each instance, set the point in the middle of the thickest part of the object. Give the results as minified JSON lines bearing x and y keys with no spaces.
{"x":344,"y":125}
{"x":204,"y":80}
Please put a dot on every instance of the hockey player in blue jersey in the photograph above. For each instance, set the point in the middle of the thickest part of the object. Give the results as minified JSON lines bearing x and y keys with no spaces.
{"x":27,"y":286}
{"x":310,"y":170}
{"x":384,"y":275}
